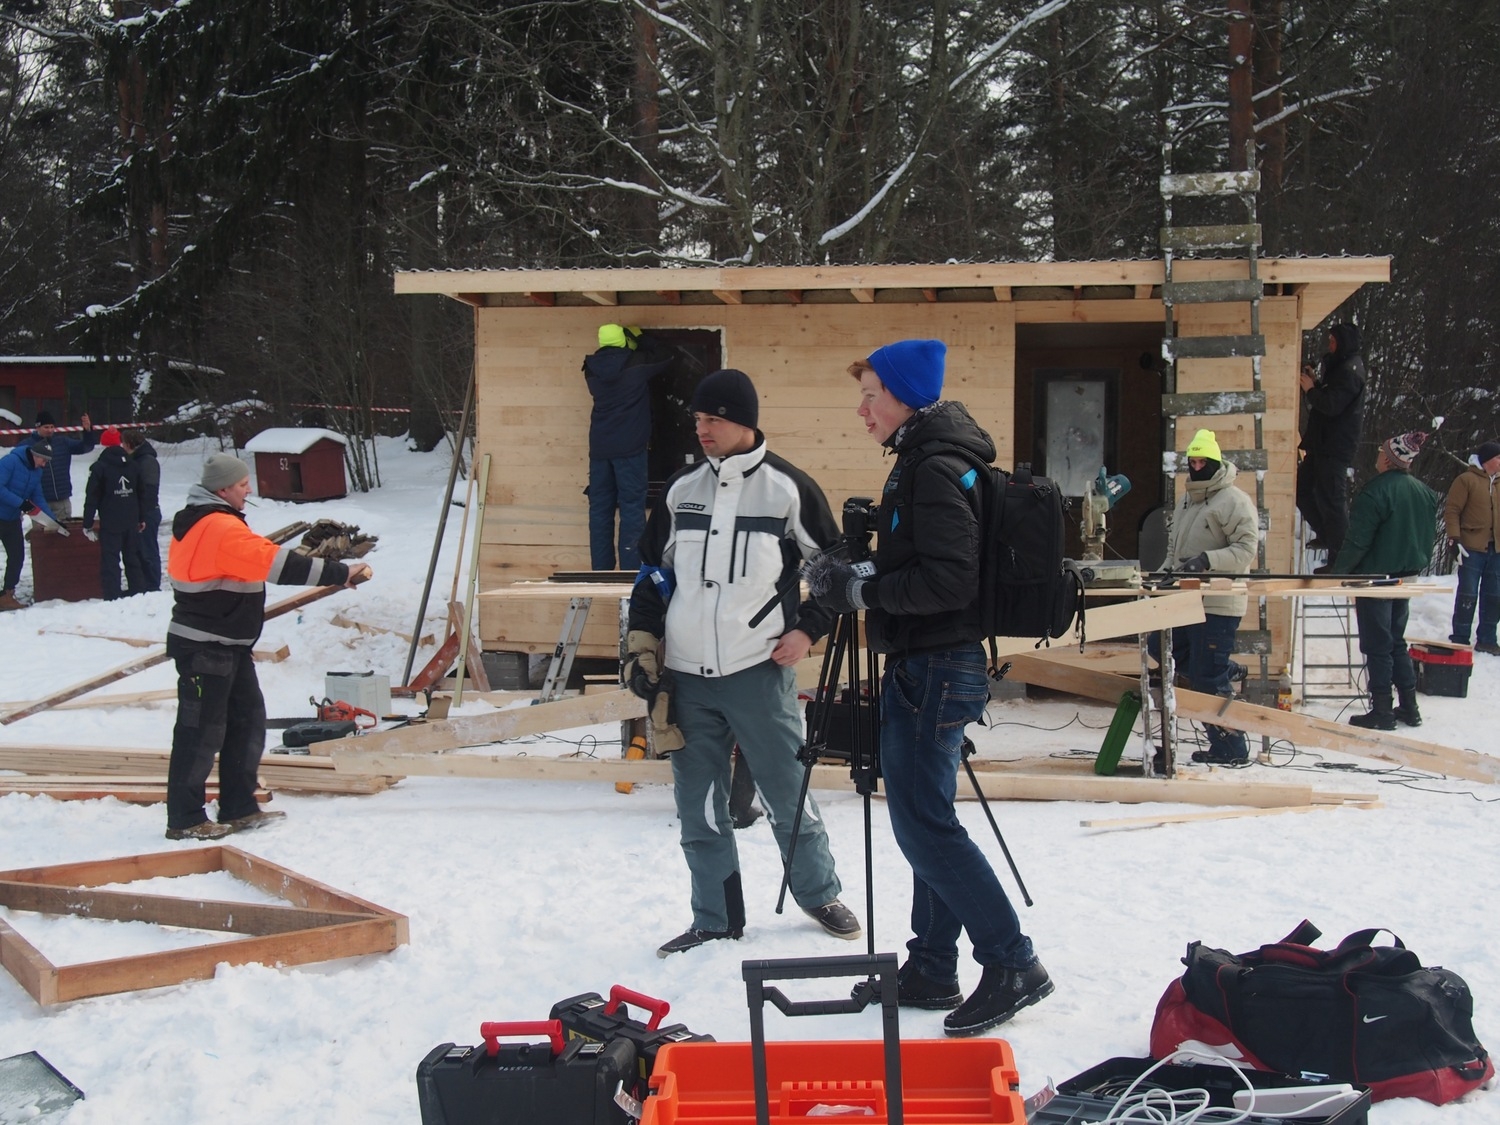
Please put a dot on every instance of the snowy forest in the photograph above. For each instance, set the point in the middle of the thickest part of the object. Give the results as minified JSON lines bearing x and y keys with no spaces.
{"x":227,"y":186}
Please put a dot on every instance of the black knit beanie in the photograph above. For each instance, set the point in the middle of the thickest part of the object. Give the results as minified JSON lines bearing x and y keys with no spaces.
{"x":728,"y":394}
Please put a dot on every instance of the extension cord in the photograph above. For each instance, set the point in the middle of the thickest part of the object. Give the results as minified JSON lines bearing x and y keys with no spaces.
{"x":1297,"y":1101}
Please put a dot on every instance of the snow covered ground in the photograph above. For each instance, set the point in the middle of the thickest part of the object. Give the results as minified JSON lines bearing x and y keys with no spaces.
{"x":522,"y":893}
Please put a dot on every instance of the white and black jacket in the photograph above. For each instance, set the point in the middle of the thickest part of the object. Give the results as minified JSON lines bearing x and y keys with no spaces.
{"x":720,"y":539}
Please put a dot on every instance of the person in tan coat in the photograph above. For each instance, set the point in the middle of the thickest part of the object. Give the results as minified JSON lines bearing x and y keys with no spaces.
{"x":1470,"y":517}
{"x":1215,"y":528}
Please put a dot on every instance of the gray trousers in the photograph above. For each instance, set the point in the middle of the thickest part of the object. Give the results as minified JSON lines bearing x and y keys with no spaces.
{"x":756,"y":708}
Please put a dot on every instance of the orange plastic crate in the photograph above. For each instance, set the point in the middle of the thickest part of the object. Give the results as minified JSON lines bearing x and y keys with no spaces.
{"x":945,"y":1080}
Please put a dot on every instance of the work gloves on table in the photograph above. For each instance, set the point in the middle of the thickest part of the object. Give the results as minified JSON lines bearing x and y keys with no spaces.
{"x":644,"y":676}
{"x":840,"y":586}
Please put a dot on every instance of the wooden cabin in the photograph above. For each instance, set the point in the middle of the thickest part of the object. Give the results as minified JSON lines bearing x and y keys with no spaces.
{"x":1023,"y":339}
{"x":293,"y":463}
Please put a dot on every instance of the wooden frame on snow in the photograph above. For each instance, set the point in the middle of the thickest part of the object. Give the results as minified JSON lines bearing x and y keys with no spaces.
{"x":318,"y":923}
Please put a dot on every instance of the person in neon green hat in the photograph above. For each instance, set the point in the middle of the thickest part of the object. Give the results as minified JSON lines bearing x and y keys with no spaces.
{"x":1213,"y":529}
{"x":618,"y":377}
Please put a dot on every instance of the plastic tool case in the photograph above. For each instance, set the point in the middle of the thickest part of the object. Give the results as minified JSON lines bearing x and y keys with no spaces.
{"x":551,"y":1083}
{"x":935,"y":1082}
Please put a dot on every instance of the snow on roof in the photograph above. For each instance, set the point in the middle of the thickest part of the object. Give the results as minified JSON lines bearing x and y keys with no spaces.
{"x":289,"y":440}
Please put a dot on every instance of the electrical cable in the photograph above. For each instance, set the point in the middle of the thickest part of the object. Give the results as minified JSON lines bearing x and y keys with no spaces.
{"x":1159,"y":1106}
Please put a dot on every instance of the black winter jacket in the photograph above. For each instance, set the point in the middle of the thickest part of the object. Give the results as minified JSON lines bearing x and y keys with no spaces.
{"x":113,"y":492}
{"x":149,"y":468}
{"x":1336,"y":408}
{"x":927,"y":549}
{"x":619,"y":379}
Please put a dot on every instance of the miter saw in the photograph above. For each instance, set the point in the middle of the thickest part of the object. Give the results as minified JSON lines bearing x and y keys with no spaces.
{"x":1102,"y":494}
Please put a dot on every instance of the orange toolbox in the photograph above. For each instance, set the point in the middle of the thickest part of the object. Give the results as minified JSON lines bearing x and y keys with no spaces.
{"x":872,"y":1082}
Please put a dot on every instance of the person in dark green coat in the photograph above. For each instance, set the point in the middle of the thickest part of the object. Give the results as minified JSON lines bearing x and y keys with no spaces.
{"x":1392,"y":526}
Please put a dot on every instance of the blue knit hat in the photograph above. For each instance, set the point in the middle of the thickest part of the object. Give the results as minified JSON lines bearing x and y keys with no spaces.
{"x":912,"y":370}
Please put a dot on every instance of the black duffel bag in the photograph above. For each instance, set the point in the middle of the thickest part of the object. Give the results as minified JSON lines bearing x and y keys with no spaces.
{"x":1359,"y":1013}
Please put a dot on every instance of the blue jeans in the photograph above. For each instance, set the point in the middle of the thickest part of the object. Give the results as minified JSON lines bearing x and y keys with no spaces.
{"x":925,"y":703}
{"x":756,"y":708}
{"x":618,"y":482}
{"x":1201,"y":653}
{"x":1382,"y":639}
{"x":1478,"y":585}
{"x":148,"y":550}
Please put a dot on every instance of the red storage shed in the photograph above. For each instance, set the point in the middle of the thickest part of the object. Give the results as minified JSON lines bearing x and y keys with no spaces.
{"x":299,"y":464}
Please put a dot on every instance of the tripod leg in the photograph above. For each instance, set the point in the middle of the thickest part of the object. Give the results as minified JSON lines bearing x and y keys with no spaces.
{"x":985,"y":804}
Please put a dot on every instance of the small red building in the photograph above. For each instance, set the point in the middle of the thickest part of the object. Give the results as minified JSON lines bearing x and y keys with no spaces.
{"x":299,"y":464}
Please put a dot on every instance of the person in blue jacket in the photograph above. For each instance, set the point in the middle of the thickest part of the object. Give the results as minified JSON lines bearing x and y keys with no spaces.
{"x":57,"y":477}
{"x":20,"y":491}
{"x":618,"y":377}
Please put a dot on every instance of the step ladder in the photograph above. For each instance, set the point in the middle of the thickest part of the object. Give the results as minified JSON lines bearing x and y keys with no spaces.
{"x":1328,"y":662}
{"x":1232,"y":241}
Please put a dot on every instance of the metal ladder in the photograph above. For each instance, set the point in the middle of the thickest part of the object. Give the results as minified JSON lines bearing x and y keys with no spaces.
{"x":567,"y":648}
{"x":1244,"y":239}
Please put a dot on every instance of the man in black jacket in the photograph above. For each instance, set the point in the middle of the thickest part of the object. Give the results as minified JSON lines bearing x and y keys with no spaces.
{"x":922,"y":612}
{"x":113,"y":491}
{"x":148,"y":468}
{"x":618,"y":377}
{"x":1335,"y":397}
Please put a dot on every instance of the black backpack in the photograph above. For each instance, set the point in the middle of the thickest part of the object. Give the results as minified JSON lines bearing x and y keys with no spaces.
{"x":1359,"y":1013}
{"x":1027,"y":587}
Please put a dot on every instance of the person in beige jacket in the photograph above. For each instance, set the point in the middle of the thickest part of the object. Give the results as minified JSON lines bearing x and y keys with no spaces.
{"x":1214,"y":529}
{"x":1470,"y":517}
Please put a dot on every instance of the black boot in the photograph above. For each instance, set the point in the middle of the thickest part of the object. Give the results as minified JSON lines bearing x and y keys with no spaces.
{"x":1407,"y":712}
{"x":1001,"y":994}
{"x":1380,"y":715}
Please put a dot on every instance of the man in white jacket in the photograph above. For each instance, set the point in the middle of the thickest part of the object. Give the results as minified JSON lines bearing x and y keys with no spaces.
{"x":727,"y":536}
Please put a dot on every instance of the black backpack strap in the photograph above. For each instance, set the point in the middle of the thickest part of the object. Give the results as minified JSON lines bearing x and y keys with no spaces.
{"x":1306,"y":933}
{"x":1367,"y":937}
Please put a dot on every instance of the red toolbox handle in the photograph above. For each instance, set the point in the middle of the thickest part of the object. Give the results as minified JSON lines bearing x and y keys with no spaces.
{"x":492,"y":1032}
{"x":619,"y":994}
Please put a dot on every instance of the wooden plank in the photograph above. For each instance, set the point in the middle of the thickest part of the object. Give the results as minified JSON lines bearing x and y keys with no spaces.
{"x":25,"y":962}
{"x":121,"y":869}
{"x":81,"y":789}
{"x":130,"y":668}
{"x":167,"y":910}
{"x":299,"y":889}
{"x":1303,"y":730}
{"x":302,"y":947}
{"x":480,"y":730}
{"x":344,"y":622}
{"x":996,"y":784}
{"x":1222,"y":814}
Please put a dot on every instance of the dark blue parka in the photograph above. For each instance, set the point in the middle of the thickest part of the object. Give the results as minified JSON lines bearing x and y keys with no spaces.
{"x":619,"y":379}
{"x":57,"y":474}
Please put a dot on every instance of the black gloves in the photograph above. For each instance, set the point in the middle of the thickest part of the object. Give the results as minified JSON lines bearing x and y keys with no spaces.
{"x":1195,"y":565}
{"x":840,"y":586}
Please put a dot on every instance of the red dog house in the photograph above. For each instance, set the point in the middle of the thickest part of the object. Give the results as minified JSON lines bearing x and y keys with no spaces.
{"x":298,"y":464}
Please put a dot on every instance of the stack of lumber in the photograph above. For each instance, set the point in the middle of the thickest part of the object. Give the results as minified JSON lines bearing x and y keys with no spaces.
{"x":70,"y":787}
{"x":88,"y":771}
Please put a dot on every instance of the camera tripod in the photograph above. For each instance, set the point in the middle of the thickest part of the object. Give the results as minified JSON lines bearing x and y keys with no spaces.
{"x":844,"y":661}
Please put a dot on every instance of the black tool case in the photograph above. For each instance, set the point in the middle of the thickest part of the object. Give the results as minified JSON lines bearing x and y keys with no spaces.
{"x":1089,"y":1097}
{"x":552,"y":1083}
{"x":590,"y":1017}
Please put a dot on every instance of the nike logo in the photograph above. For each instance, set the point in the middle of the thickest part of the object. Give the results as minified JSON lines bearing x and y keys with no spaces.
{"x":1372,"y":1019}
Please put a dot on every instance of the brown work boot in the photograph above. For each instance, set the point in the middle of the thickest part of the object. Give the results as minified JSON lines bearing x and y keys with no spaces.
{"x":8,"y":600}
{"x":251,"y":821}
{"x":203,"y":830}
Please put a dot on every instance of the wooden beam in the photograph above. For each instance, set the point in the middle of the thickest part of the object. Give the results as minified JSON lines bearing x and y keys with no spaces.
{"x":864,"y":296}
{"x":730,"y":296}
{"x":83,"y":687}
{"x":84,"y":789}
{"x":1003,"y":293}
{"x":1222,"y":814}
{"x":929,"y":295}
{"x":543,"y":300}
{"x":996,"y":784}
{"x":795,"y":296}
{"x":480,"y":730}
{"x":118,"y":699}
{"x":344,"y":622}
{"x":670,"y":296}
{"x":602,"y":297}
{"x":1237,"y":715}
{"x":1143,"y":292}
